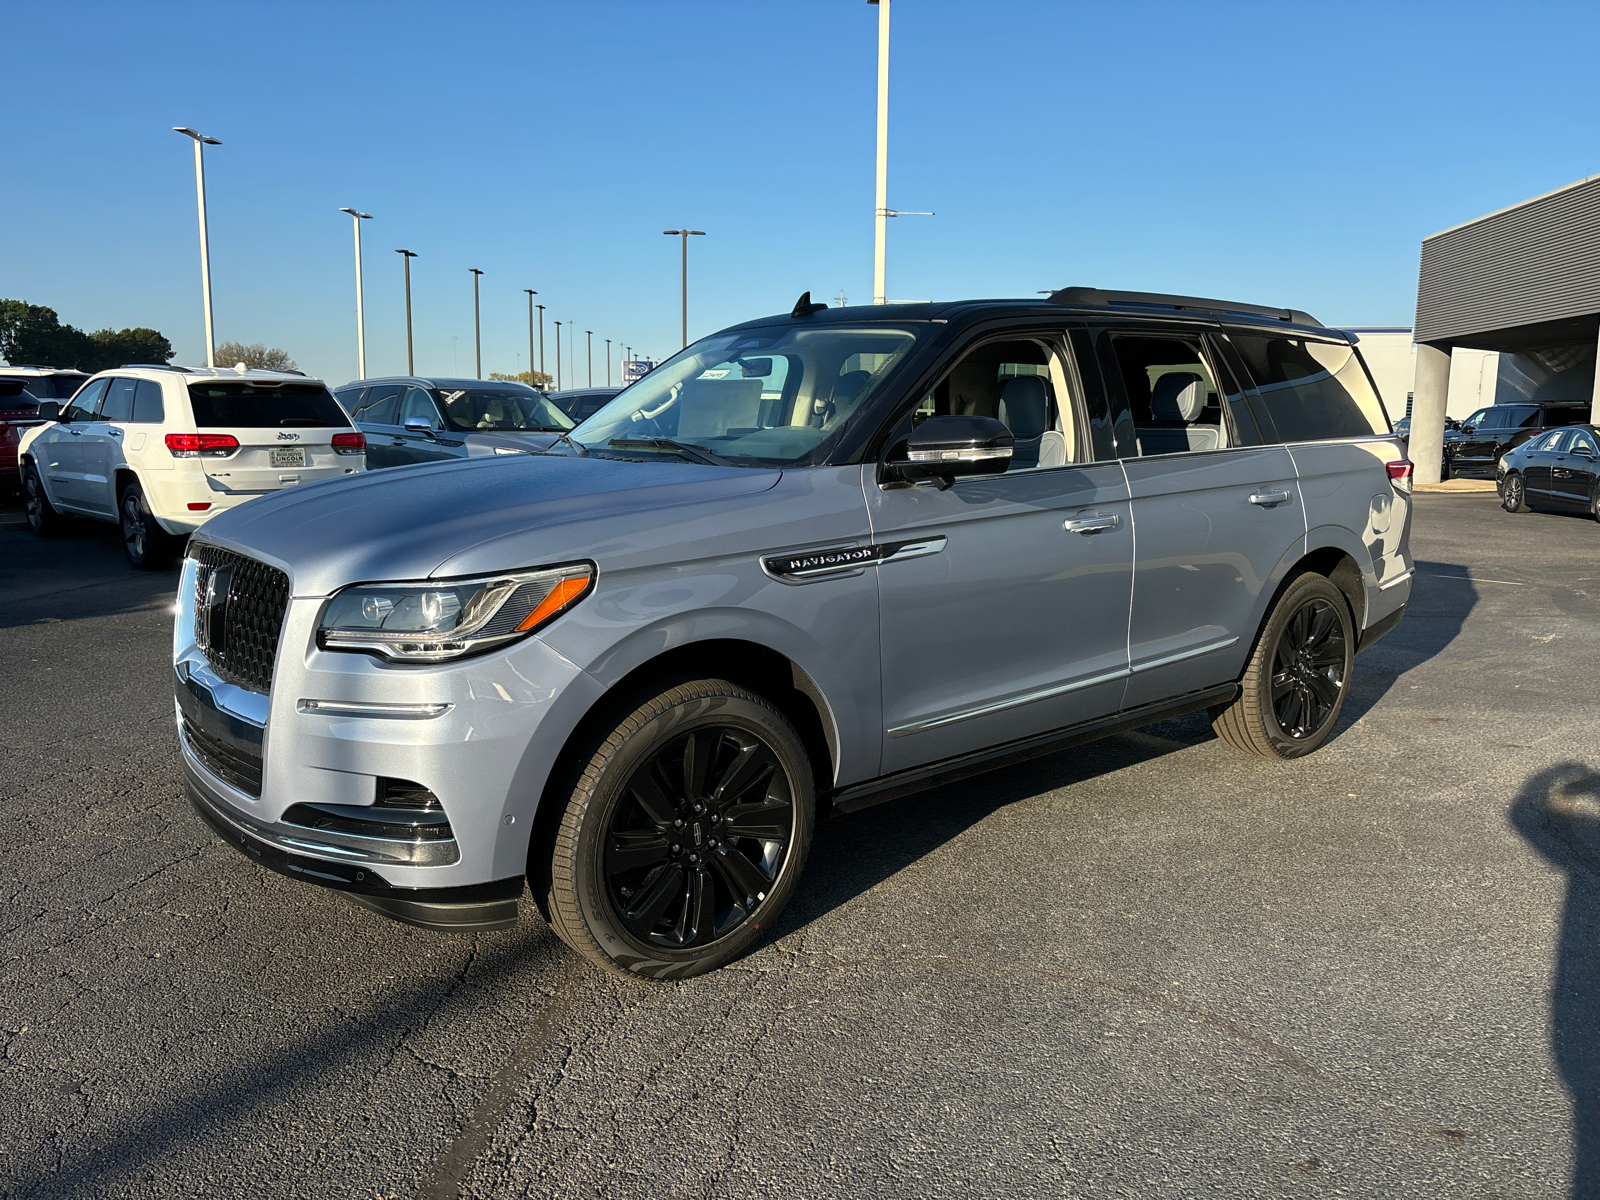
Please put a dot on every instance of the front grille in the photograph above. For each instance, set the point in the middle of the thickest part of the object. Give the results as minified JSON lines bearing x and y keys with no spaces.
{"x":239,"y":607}
{"x":240,"y":769}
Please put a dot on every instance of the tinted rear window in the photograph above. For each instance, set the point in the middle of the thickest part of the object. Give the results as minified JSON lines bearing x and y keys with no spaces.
{"x":1309,"y":390}
{"x":50,"y":387}
{"x":225,"y":405}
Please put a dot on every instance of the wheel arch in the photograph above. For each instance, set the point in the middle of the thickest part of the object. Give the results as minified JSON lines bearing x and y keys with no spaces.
{"x":1327,"y":552}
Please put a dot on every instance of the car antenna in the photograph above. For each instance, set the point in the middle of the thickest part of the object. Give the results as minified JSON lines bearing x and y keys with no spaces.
{"x":803,"y":306}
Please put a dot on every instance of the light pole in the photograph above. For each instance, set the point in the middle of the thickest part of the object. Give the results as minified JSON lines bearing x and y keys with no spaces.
{"x":608,"y":362}
{"x":531,"y":295}
{"x":558,"y":356}
{"x":477,"y":334}
{"x":540,"y":307}
{"x":589,"y":353}
{"x":201,"y":140}
{"x":880,"y":224}
{"x":572,"y":351}
{"x":361,"y":329}
{"x":411,"y":366}
{"x":685,"y":234}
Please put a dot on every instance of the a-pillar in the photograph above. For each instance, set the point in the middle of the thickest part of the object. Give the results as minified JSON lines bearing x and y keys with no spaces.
{"x":1429,"y":392}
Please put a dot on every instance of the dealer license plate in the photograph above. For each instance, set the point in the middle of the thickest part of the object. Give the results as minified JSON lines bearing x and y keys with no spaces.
{"x":289,"y":456}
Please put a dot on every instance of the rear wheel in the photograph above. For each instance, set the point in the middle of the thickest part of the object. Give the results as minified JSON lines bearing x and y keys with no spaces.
{"x":1514,"y":494}
{"x":43,"y":517}
{"x":1294,"y":687}
{"x":149,"y":547}
{"x":684,"y":834}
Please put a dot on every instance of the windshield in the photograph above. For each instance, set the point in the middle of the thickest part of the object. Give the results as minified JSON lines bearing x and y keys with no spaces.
{"x":514,"y":409}
{"x":757,"y":397}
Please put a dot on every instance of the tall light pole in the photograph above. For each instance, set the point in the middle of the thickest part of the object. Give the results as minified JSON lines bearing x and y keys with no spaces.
{"x":201,"y":140}
{"x":361,"y":328}
{"x":477,"y":329}
{"x":540,"y":307}
{"x":558,"y":356}
{"x":411,"y":365}
{"x":608,"y":362}
{"x":531,"y":295}
{"x":685,"y":234}
{"x":572,"y":351}
{"x":589,"y":353}
{"x":880,"y":222}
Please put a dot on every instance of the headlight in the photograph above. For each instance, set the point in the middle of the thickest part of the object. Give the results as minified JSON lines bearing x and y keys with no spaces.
{"x":437,"y":620}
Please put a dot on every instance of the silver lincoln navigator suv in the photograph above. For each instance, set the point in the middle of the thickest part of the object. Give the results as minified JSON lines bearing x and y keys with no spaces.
{"x":815,"y":561}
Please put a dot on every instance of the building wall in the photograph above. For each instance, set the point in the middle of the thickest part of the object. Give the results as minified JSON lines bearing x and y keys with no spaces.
{"x":1391,"y":356}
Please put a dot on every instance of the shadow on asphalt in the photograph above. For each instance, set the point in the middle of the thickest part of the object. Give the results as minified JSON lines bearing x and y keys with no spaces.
{"x":81,"y":574}
{"x":1558,"y":811}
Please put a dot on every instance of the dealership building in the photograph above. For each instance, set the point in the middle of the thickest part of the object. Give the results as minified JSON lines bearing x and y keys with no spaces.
{"x":1521,"y":285}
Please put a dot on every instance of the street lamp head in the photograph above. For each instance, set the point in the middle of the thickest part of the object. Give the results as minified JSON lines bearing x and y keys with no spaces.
{"x":671,"y":232}
{"x":196,"y":135}
{"x":475,"y":270}
{"x":530,"y":291}
{"x":360,"y":216}
{"x":697,"y":233}
{"x":407,"y":253}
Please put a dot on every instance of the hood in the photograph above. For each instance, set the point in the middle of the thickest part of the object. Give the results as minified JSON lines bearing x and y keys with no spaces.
{"x":408,"y":522}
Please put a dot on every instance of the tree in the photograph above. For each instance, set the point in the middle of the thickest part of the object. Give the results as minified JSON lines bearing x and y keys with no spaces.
{"x":32,"y":333}
{"x":534,"y":379}
{"x":255,"y":355}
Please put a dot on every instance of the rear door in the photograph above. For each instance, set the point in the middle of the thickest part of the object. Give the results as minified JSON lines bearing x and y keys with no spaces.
{"x":1573,"y":469}
{"x":284,"y":432}
{"x":375,"y":411}
{"x":1214,"y":510}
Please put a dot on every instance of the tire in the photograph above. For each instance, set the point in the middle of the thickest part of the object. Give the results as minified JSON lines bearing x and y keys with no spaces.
{"x":644,"y":879}
{"x":1594,"y":503}
{"x":1282,"y":711}
{"x":148,"y":546}
{"x":43,"y":517}
{"x":1514,"y":494}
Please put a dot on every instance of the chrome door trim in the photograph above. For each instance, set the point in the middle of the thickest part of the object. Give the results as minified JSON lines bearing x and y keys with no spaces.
{"x":1014,"y":702}
{"x":1167,"y":660}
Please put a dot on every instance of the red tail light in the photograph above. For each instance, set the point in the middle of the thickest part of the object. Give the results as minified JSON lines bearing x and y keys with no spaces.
{"x":1400,"y":472}
{"x":187,"y":445}
{"x":350,"y":443}
{"x":201,"y":507}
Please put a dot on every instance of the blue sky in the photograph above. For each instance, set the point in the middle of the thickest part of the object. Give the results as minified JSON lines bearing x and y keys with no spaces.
{"x":1284,"y":154}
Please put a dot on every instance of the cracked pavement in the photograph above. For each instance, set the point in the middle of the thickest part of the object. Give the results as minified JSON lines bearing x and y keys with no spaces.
{"x":1149,"y":967}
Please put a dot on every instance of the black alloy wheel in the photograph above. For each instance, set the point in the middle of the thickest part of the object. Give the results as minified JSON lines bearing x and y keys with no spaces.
{"x":1513,"y":494}
{"x":149,"y":547}
{"x":699,"y":837}
{"x":135,"y":534}
{"x":43,"y":517}
{"x":1309,"y":670}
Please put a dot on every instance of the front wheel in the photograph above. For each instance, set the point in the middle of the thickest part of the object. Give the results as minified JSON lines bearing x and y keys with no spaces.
{"x":149,"y":547}
{"x":1514,"y":494}
{"x":1294,"y":687}
{"x":684,"y":834}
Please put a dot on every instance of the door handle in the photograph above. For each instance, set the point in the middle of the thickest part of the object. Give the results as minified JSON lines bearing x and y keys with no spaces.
{"x":398,"y":442}
{"x":1267,"y":499}
{"x":1093,"y":523}
{"x":114,"y":431}
{"x":75,"y":432}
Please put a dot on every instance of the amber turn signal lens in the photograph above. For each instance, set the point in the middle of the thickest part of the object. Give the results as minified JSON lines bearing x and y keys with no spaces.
{"x":563,"y":594}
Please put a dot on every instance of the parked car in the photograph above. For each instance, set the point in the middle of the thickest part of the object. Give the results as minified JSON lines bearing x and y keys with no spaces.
{"x":1490,"y":432}
{"x":1558,"y":469}
{"x":410,"y":420}
{"x":163,"y":450}
{"x":18,"y":410}
{"x":815,"y":561}
{"x":45,"y":383}
{"x":582,"y":403}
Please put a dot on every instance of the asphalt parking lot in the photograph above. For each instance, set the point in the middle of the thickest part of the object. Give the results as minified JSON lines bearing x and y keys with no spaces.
{"x":1146,"y":968}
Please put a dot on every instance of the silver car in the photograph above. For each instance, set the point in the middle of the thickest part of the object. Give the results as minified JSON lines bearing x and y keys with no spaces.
{"x":408,"y":419}
{"x":813,"y":562}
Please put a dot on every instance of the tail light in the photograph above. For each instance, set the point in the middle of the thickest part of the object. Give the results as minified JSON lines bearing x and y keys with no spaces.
{"x":1400,"y":472}
{"x":350,"y":443}
{"x":212,"y":445}
{"x":200,"y":507}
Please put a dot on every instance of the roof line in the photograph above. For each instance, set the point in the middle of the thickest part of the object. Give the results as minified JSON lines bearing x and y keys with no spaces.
{"x":1566,"y":187}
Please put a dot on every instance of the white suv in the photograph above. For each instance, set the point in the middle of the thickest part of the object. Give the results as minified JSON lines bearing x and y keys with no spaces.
{"x":161,"y":450}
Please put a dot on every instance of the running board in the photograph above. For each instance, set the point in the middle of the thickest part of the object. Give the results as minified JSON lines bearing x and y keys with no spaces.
{"x":856,"y":796}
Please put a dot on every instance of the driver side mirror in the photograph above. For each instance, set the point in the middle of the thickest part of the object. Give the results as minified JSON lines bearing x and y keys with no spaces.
{"x":945,"y":448}
{"x":49,"y":410}
{"x":419,"y":425}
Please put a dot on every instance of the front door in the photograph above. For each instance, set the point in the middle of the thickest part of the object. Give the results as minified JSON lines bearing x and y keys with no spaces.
{"x":101,"y":446}
{"x":60,"y":451}
{"x":430,"y":444}
{"x":1573,"y":469}
{"x":1003,"y":599}
{"x":1213,"y":510}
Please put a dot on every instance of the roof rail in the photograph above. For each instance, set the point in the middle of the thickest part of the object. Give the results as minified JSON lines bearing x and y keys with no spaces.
{"x":1088,"y":297}
{"x":158,"y":367}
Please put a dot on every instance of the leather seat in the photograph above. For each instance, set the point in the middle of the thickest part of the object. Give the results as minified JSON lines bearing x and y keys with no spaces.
{"x":1177,"y":400}
{"x":1025,"y":409}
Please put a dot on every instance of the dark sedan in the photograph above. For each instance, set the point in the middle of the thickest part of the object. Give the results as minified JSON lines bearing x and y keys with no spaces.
{"x":415,"y":420}
{"x":582,"y":403}
{"x":1558,"y":469}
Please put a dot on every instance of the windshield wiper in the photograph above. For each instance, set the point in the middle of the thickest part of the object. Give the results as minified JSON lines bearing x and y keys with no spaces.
{"x":700,"y":454}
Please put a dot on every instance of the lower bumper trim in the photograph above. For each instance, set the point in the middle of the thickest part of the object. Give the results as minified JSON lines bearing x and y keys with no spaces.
{"x":1371,"y":635}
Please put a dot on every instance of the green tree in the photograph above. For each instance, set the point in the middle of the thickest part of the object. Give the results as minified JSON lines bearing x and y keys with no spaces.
{"x":114,"y":348}
{"x":254,"y":355}
{"x":32,"y":333}
{"x":534,"y":379}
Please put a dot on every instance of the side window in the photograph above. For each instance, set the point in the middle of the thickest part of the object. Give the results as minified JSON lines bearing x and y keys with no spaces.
{"x":148,"y":408}
{"x":379,"y":405}
{"x":1172,"y":394}
{"x":418,"y":405}
{"x":1583,"y":443}
{"x":1528,"y":418}
{"x":1494,"y":418}
{"x":1023,"y":384}
{"x":85,"y":403}
{"x":118,"y":404}
{"x":1476,"y":421}
{"x":1308,"y":390}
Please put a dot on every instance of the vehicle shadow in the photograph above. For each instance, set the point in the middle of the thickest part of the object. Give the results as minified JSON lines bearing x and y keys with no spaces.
{"x":1558,"y":812}
{"x":854,"y":852}
{"x":81,"y":574}
{"x":1442,"y":597}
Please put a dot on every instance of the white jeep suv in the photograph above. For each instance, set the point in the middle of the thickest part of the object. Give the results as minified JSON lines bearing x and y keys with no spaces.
{"x":161,"y":450}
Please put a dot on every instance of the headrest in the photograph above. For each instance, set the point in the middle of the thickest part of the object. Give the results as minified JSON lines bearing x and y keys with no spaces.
{"x":1025,"y":406}
{"x":1178,"y":396}
{"x":848,"y":386}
